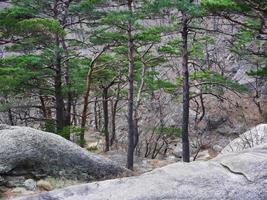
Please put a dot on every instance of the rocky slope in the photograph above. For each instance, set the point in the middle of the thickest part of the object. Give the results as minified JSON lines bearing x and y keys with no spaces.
{"x":239,"y":176}
{"x":250,"y":138}
{"x":27,"y":152}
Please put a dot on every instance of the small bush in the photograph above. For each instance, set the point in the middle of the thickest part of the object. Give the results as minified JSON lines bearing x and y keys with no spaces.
{"x":92,"y":148}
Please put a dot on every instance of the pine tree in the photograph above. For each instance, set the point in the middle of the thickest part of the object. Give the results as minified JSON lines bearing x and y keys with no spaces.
{"x":42,"y":26}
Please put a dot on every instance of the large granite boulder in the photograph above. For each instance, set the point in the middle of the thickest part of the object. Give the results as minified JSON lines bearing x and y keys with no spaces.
{"x":237,"y":176}
{"x":27,"y":152}
{"x":249,"y":139}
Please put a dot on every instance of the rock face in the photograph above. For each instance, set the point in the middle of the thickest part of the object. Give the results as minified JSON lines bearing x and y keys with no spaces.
{"x":27,"y":152}
{"x":251,"y":138}
{"x":238,"y":176}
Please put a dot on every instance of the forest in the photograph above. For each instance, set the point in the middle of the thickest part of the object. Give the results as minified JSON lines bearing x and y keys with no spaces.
{"x":92,"y":90}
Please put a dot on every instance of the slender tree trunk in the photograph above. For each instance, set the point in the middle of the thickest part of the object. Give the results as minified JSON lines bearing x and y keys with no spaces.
{"x":105,"y":114}
{"x":96,"y":115}
{"x":58,"y":89}
{"x":99,"y":116}
{"x":113,"y":121}
{"x":74,"y":113}
{"x":185,"y":119}
{"x":87,"y":92}
{"x":10,"y":117}
{"x":43,"y":107}
{"x":130,"y":152}
{"x":68,"y":83}
{"x":138,"y":103}
{"x":85,"y":104}
{"x":114,"y":112}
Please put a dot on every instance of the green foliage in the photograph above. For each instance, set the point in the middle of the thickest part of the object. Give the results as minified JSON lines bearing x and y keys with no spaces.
{"x":259,"y":73}
{"x":211,"y":82}
{"x":172,"y":47}
{"x":92,"y":149}
{"x":150,"y":34}
{"x":169,"y":131}
{"x":225,"y":5}
{"x":181,"y":5}
{"x":66,"y":131}
{"x":40,"y":25}
{"x":49,"y":126}
{"x":18,"y":73}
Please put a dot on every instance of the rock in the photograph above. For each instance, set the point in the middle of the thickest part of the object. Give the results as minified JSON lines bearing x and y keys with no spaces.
{"x":241,"y":75}
{"x":251,"y":138}
{"x":19,"y":190}
{"x":33,"y":153}
{"x":228,"y":131}
{"x":178,"y":151}
{"x":203,"y":155}
{"x":217,"y":148}
{"x":214,"y":121}
{"x":2,"y":181}
{"x":44,"y":185}
{"x":238,"y":176}
{"x":264,"y":92}
{"x":30,"y":184}
{"x":14,"y":181}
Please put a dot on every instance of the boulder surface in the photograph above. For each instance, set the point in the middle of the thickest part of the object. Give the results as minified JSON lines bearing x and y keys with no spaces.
{"x":238,"y":176}
{"x":27,"y":152}
{"x":253,"y":137}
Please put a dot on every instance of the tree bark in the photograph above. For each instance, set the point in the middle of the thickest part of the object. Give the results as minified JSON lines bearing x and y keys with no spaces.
{"x":58,"y":89}
{"x":113,"y":119}
{"x":96,"y":114}
{"x":130,"y":151}
{"x":10,"y":117}
{"x":87,"y":92}
{"x":85,"y":104}
{"x":185,"y":117}
{"x":105,"y":114}
{"x":43,"y":107}
{"x":138,"y":103}
{"x":67,"y":120}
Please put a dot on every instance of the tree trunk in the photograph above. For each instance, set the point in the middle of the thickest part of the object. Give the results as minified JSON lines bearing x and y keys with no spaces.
{"x":99,"y":116}
{"x":58,"y":90}
{"x":68,"y":83}
{"x":130,"y":152}
{"x":96,"y":115}
{"x":185,"y":117}
{"x":43,"y":107}
{"x":105,"y":114}
{"x":138,"y":103}
{"x":85,"y":104}
{"x":87,"y":92}
{"x":74,"y":113}
{"x":10,"y":117}
{"x":114,"y":112}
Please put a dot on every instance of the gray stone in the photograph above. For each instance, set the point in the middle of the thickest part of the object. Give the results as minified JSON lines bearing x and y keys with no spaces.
{"x":238,"y":176}
{"x":34,"y":153}
{"x":177,"y":151}
{"x":214,"y":121}
{"x":19,"y":190}
{"x":30,"y":184}
{"x":14,"y":181}
{"x":241,"y":75}
{"x":2,"y":181}
{"x":251,"y":138}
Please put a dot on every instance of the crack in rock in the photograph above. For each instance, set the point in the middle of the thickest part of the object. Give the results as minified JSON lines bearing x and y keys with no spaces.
{"x":235,"y":172}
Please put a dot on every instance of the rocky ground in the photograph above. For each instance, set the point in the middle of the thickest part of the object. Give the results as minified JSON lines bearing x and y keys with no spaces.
{"x":26,"y":185}
{"x":233,"y":175}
